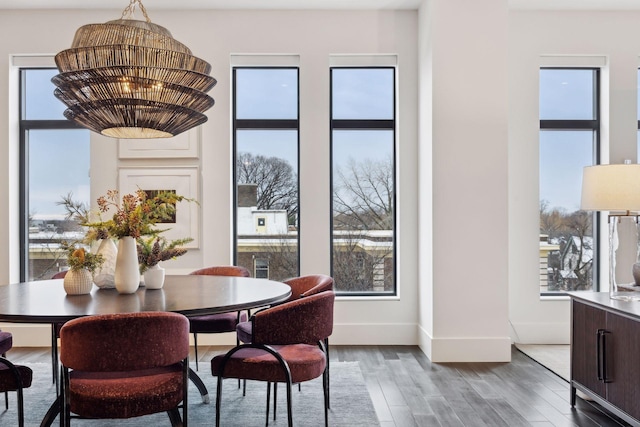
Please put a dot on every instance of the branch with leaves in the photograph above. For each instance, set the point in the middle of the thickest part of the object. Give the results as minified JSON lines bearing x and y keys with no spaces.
{"x":157,"y":248}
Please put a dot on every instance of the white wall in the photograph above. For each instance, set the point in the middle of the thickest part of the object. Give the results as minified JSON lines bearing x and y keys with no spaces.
{"x":215,"y":36}
{"x":612,"y":35}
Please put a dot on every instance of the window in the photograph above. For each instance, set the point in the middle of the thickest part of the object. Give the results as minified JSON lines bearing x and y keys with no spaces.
{"x":569,"y":141}
{"x":266,"y":138}
{"x":261,"y":269}
{"x":363,"y":180}
{"x":54,"y":162}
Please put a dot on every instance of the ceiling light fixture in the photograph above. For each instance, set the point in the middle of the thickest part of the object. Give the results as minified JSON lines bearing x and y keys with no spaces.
{"x":128,"y":78}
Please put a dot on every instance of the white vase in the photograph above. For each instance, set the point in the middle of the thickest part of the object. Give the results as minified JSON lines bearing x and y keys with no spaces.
{"x":78,"y":282}
{"x":154,"y":277}
{"x":104,"y":276}
{"x":127,"y":273}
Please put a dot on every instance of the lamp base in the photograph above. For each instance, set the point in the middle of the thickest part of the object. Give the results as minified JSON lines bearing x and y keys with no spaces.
{"x":626,"y":292}
{"x":625,"y":296}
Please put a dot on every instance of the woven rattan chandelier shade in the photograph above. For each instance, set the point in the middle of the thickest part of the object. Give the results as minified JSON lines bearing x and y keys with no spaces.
{"x":131,"y":79}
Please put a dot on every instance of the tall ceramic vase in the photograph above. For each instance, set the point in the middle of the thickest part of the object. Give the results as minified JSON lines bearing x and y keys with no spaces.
{"x":127,"y":273}
{"x":104,"y":276}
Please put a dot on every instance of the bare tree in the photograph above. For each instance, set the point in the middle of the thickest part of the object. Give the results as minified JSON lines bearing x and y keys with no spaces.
{"x":276,"y":181}
{"x":363,"y":195}
{"x":563,"y":228}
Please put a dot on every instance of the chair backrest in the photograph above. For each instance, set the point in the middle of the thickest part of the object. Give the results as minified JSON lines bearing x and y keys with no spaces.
{"x":124,"y":341}
{"x":60,"y":274}
{"x":223,"y":270}
{"x":304,"y":286}
{"x":304,"y":320}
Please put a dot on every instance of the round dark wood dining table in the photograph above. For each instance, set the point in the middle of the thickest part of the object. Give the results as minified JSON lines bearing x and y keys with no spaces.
{"x":45,"y":301}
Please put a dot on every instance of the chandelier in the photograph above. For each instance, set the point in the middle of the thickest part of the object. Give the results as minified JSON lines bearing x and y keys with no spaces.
{"x":129,"y":78}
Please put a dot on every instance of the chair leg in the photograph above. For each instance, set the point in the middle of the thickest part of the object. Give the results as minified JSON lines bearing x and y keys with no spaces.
{"x":268,"y":402}
{"x":174,"y":417}
{"x":289,"y":405}
{"x":218,"y":400}
{"x":195,"y":344}
{"x":20,"y":408}
{"x":6,"y":393}
{"x":275,"y":396}
{"x":326,"y":347}
{"x":325,"y":390}
{"x":54,"y":354}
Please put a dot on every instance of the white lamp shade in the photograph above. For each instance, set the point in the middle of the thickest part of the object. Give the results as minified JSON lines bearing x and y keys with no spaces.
{"x":611,"y":188}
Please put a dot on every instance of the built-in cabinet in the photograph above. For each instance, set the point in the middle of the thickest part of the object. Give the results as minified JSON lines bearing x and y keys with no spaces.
{"x":605,"y":352}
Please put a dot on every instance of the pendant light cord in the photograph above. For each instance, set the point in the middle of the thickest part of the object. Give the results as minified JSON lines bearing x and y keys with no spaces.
{"x":129,"y":11}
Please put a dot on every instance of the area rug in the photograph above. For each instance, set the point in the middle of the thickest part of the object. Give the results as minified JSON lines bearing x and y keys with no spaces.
{"x":350,"y":403}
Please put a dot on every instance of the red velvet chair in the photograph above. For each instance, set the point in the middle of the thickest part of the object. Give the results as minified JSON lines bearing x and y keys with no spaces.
{"x":300,"y":287}
{"x":15,"y":378}
{"x":125,"y":365}
{"x":281,"y":348}
{"x":217,"y":323}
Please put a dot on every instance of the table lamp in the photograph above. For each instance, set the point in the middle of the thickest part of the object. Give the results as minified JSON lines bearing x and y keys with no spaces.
{"x":616,"y":189}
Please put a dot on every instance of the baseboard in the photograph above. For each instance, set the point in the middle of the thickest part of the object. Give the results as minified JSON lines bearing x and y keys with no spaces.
{"x":30,"y":335}
{"x":374,"y":334}
{"x":541,"y":333}
{"x":465,"y":349}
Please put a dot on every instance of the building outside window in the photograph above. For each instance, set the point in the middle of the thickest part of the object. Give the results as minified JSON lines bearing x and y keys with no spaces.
{"x":54,"y":163}
{"x":266,"y":138}
{"x":569,"y":141}
{"x":363,"y":141}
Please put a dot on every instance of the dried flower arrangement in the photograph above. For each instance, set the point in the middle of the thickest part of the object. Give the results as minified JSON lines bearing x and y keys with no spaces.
{"x":78,"y":258}
{"x":157,"y":248}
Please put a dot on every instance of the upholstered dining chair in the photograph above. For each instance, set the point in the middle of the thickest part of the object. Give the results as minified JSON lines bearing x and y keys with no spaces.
{"x":15,"y":378}
{"x":301,"y":287}
{"x":125,"y":365}
{"x":287,"y":345}
{"x":217,"y":323}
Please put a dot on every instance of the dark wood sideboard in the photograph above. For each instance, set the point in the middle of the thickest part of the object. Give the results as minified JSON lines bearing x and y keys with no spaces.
{"x":605,"y":352}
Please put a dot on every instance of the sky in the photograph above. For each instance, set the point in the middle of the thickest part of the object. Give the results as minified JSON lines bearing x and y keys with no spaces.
{"x":59,"y":160}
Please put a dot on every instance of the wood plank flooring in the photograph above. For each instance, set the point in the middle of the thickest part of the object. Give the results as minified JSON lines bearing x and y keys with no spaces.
{"x":408,"y":390}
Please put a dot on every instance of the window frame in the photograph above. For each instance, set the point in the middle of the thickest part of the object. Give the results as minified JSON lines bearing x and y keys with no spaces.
{"x":367,"y":125}
{"x":593,"y":125}
{"x":261,"y":124}
{"x":23,"y":186}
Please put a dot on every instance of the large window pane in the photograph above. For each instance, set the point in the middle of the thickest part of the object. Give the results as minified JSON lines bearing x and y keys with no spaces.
{"x":39,"y":102}
{"x":266,"y":93}
{"x":567,"y":94}
{"x":363,"y":210}
{"x":567,"y":231}
{"x":363,"y":180}
{"x":266,"y":171}
{"x":53,"y":174}
{"x":363,"y":93}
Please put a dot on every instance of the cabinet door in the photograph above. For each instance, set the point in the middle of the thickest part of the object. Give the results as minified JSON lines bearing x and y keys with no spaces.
{"x":586,"y":321}
{"x":623,"y":363}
